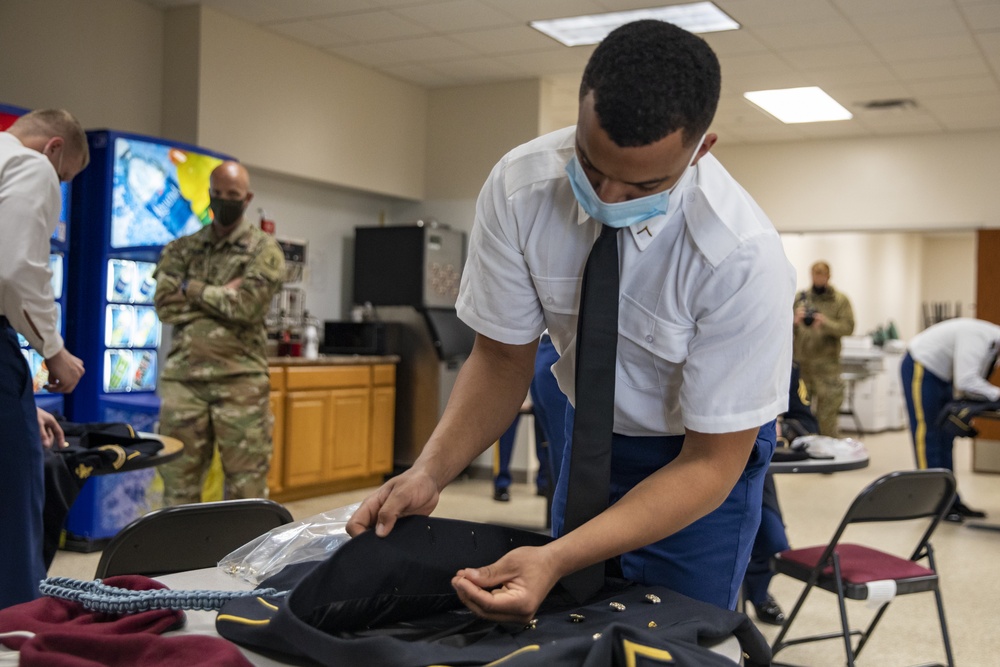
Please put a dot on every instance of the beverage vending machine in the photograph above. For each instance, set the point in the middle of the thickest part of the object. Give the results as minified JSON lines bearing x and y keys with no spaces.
{"x":138,"y":194}
{"x":59,"y":250}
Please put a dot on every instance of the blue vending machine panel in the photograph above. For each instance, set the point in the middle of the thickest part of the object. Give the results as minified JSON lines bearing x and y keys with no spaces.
{"x":138,"y":194}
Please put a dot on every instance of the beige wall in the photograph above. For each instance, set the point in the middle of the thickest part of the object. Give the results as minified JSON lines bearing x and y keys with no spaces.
{"x":470,"y":128}
{"x":101,"y":59}
{"x":293,"y":109}
{"x":909,"y":182}
{"x":199,"y":76}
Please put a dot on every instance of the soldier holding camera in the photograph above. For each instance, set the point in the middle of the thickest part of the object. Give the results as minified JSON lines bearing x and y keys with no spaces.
{"x":822,"y":317}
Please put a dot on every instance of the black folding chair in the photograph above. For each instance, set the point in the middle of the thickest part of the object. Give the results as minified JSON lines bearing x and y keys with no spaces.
{"x":188,"y":537}
{"x":847,"y":569}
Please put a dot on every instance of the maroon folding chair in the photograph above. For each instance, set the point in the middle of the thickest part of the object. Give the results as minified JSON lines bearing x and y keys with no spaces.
{"x":847,"y":569}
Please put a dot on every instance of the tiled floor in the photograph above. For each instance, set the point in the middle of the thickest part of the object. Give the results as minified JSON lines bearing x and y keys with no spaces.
{"x":812,"y":505}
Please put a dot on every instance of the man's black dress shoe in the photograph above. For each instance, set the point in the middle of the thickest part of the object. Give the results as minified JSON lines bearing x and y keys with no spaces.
{"x":769,"y":612}
{"x":966,"y":511}
{"x":501,"y":495}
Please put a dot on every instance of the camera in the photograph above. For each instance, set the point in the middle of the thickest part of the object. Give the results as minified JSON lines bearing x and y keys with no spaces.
{"x":809,"y":317}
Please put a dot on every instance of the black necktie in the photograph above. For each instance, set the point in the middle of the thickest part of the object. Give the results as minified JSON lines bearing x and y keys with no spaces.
{"x":596,"y":351}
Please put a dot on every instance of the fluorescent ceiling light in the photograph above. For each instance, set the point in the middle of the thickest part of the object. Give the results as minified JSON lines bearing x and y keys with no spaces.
{"x":799,"y":105}
{"x":591,"y":29}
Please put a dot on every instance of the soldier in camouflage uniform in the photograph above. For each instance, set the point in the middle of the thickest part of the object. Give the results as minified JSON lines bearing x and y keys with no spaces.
{"x":822,"y":316}
{"x":215,"y":287}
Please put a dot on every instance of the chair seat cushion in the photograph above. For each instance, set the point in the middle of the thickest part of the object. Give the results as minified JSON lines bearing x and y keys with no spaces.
{"x":859,"y":564}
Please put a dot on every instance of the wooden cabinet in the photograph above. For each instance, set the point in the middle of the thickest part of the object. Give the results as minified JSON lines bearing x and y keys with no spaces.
{"x":337,"y":428}
{"x":383,"y":418}
{"x":276,"y":474}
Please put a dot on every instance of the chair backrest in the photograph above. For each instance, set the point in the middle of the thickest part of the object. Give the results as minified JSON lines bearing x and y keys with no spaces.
{"x":188,"y":537}
{"x":901,"y":496}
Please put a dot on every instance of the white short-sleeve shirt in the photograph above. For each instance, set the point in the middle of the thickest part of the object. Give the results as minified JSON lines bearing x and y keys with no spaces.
{"x":705,"y":316}
{"x":961,"y":351}
{"x":29,"y":212}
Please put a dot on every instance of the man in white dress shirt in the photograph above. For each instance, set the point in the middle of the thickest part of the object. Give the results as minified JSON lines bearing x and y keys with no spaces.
{"x":704,"y":331}
{"x":949,"y":359}
{"x":38,"y":151}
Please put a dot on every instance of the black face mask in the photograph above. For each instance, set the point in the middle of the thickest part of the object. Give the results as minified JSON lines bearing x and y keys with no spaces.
{"x":226,"y":211}
{"x":819,"y":290}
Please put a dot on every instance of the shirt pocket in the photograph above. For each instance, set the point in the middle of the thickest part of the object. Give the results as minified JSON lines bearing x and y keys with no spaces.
{"x":651,"y":350}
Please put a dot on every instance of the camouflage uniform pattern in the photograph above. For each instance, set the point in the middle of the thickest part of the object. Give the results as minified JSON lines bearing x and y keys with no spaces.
{"x":817,"y":351}
{"x":214,"y":386}
{"x":233,"y":412}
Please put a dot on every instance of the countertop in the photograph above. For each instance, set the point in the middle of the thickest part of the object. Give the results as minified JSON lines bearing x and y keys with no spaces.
{"x":335,"y":360}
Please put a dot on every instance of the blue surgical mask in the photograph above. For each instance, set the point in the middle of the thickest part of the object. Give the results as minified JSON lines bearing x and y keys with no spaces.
{"x":620,"y":214}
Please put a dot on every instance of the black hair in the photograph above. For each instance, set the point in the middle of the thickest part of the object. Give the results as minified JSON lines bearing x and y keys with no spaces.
{"x":651,"y":78}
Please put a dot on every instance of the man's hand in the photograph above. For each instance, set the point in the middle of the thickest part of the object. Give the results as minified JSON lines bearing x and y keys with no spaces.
{"x":65,"y":370}
{"x":413,"y":492}
{"x":234,"y":283}
{"x":510,"y":590}
{"x":50,"y":430}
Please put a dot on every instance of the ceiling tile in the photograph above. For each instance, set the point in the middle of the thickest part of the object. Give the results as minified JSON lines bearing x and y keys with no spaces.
{"x":864,"y":9}
{"x":456,"y":15}
{"x":966,"y":112}
{"x":983,"y":17}
{"x":416,"y":50}
{"x":563,"y":61}
{"x":755,"y":13}
{"x":319,"y":33}
{"x":535,"y":10}
{"x":505,"y":40}
{"x":973,"y":85}
{"x":940,"y":68}
{"x":943,"y":53}
{"x":827,"y":57}
{"x":734,"y":42}
{"x":913,"y":23}
{"x":466,"y":69}
{"x":854,"y":76}
{"x":420,"y":75}
{"x":926,"y":48}
{"x":805,"y":35}
{"x":266,"y":11}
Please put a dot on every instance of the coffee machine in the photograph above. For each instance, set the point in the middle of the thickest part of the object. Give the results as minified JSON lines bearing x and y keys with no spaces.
{"x":286,"y":317}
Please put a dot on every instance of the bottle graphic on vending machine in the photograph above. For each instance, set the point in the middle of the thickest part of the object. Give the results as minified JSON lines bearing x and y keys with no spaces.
{"x":157,"y":190}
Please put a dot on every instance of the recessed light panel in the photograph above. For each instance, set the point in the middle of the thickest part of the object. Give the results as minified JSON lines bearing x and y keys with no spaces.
{"x":799,"y":105}
{"x":578,"y":30}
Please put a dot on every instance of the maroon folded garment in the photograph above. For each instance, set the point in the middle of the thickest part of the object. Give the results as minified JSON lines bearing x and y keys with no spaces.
{"x":68,"y":635}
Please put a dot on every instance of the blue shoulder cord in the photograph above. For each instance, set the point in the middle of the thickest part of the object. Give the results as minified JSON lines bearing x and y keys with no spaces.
{"x":98,"y":596}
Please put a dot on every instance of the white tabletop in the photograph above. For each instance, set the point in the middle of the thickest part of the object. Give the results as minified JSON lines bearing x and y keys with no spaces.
{"x":214,"y":579}
{"x":203,"y":622}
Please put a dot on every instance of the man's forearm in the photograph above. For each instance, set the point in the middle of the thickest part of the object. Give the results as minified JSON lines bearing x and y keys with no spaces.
{"x":487,"y":395}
